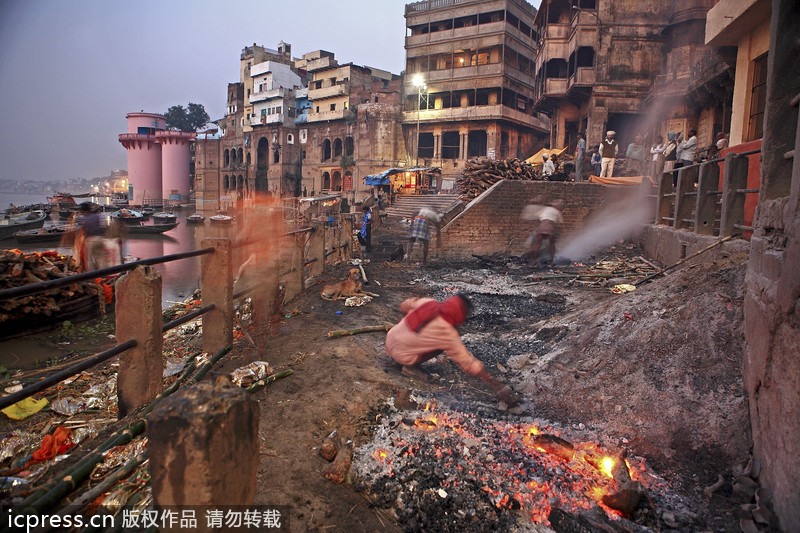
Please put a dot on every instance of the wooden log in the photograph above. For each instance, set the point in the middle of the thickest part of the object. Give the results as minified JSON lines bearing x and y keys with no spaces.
{"x":555,"y":446}
{"x":366,"y":329}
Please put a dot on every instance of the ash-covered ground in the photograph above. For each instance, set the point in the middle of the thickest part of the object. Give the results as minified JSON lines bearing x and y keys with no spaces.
{"x":654,"y":373}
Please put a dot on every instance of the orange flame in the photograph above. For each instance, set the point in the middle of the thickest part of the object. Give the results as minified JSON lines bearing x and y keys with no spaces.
{"x":607,"y":466}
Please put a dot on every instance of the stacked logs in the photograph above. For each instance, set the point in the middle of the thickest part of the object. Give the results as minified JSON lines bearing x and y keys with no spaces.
{"x":481,"y":173}
{"x":18,"y":268}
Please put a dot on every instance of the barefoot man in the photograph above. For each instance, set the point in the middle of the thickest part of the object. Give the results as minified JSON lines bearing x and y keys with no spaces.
{"x":428,"y":329}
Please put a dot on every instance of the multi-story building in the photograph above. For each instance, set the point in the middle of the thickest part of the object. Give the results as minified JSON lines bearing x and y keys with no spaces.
{"x":629,"y":66}
{"x":282,"y":138}
{"x":469,"y":82}
{"x":352,"y":127}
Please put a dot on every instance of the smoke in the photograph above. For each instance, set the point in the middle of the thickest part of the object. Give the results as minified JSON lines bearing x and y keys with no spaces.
{"x":622,"y":219}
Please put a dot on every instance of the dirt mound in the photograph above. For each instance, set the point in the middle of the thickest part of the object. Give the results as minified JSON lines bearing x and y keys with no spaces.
{"x":660,"y":366}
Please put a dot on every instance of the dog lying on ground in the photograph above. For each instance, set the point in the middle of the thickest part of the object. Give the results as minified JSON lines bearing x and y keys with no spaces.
{"x":345,"y":289}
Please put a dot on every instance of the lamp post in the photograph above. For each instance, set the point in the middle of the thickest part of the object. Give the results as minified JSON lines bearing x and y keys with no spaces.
{"x":419,"y":82}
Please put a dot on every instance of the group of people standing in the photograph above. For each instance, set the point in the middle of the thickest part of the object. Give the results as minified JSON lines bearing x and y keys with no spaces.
{"x":675,"y":153}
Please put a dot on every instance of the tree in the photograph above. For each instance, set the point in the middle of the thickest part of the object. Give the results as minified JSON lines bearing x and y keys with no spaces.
{"x":191,"y":119}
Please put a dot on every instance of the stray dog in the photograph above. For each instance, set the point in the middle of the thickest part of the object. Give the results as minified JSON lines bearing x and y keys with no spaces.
{"x":398,"y":254}
{"x":345,"y":289}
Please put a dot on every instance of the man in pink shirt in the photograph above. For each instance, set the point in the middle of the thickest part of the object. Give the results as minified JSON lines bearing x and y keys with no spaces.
{"x":428,"y":329}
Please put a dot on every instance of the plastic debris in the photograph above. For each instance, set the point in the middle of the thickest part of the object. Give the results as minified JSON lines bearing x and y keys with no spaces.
{"x":13,"y":388}
{"x":25,"y":408}
{"x":339,"y":312}
{"x":7,"y":483}
{"x":357,"y":301}
{"x":623,"y":288}
{"x":16,"y":444}
{"x":67,"y":406}
{"x":172,"y":367}
{"x":247,"y":375}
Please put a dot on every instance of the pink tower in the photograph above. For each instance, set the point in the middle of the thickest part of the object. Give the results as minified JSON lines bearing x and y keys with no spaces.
{"x":144,"y":156}
{"x":175,"y":164}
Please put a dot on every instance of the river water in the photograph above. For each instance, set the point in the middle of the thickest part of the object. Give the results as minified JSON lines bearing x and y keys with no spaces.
{"x":179,"y":278}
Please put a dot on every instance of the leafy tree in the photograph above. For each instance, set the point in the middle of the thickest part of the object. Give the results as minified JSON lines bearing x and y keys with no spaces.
{"x":183,"y":119}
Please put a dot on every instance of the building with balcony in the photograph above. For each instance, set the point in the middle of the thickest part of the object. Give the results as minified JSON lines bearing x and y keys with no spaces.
{"x":282,"y":138}
{"x":350,"y":126}
{"x":259,"y":55}
{"x":632,"y":67}
{"x":469,"y":82}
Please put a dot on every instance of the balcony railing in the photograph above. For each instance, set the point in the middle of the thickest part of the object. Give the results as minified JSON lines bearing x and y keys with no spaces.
{"x":326,"y":115}
{"x":457,"y":74}
{"x":328,"y":92}
{"x":267,"y":119}
{"x":427,"y":5}
{"x":584,"y":76}
{"x":266,"y":95}
{"x":456,"y":33}
{"x":480,"y":112}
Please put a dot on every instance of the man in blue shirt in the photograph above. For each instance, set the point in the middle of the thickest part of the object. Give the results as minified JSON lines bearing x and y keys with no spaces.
{"x":365,"y":233}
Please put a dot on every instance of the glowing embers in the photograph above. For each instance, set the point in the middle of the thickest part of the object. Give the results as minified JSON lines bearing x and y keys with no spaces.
{"x":433,"y":464}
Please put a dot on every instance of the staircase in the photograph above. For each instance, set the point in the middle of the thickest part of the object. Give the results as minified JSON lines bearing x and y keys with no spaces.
{"x":407,"y":206}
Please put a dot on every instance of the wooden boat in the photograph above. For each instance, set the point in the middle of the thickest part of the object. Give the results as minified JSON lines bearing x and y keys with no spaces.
{"x":128,"y":216}
{"x":151,"y":229}
{"x":163,"y":216}
{"x":24,"y":221}
{"x":197,"y":218}
{"x":49,"y":234}
{"x":221,"y":219}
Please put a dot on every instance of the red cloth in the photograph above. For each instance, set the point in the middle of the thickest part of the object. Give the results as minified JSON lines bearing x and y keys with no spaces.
{"x":453,"y":310}
{"x":57,"y":443}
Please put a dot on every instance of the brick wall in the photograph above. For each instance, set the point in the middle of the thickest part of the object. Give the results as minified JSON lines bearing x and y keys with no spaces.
{"x":492,"y":222}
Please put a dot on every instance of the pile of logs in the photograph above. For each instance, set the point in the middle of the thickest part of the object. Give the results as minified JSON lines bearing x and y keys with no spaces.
{"x":481,"y":173}
{"x":18,"y":268}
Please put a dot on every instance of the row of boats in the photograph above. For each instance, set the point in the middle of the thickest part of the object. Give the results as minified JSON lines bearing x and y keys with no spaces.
{"x":29,"y":228}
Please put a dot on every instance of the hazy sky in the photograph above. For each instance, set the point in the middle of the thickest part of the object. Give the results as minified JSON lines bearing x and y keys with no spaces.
{"x":70,"y":70}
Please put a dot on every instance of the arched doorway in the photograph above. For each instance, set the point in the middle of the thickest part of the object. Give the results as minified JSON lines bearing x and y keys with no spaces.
{"x":326,"y":181}
{"x":262,"y":163}
{"x":337,"y":181}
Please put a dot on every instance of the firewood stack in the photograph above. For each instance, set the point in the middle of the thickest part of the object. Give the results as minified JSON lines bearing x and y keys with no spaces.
{"x":481,"y":173}
{"x":18,"y":268}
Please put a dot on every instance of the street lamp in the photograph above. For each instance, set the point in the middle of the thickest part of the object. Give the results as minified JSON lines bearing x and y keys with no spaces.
{"x":419,"y":82}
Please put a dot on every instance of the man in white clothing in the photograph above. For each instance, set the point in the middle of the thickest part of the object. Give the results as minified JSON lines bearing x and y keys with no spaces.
{"x":548,"y":168}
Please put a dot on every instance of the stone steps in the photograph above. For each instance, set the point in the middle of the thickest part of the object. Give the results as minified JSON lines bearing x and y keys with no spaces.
{"x":409,"y":206}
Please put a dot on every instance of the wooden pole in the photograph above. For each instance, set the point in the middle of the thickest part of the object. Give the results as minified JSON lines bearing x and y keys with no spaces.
{"x":704,"y":250}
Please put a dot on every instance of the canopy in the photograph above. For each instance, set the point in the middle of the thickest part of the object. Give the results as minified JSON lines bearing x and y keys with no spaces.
{"x":375,"y":180}
{"x":536,"y":159}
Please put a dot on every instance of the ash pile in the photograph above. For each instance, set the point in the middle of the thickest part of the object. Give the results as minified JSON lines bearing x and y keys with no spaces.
{"x":441,"y":469}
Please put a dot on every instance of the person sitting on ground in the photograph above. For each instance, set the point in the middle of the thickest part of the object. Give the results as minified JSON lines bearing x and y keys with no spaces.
{"x":420,"y":231}
{"x":550,"y":220}
{"x":429,"y":329}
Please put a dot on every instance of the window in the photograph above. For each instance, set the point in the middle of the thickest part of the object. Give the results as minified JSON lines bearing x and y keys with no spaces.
{"x":450,"y":144}
{"x":333,"y":107}
{"x":758,"y":99}
{"x":426,"y":145}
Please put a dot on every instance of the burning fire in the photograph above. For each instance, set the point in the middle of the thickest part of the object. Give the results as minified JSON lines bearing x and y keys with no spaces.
{"x":518,"y":466}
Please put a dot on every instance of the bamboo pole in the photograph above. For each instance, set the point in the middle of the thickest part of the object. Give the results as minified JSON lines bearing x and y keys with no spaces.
{"x":704,"y":250}
{"x":47,"y":497}
{"x":366,"y":329}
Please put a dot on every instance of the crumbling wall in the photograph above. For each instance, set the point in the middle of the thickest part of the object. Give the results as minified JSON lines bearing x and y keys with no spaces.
{"x":772,"y":301}
{"x":492,"y":223}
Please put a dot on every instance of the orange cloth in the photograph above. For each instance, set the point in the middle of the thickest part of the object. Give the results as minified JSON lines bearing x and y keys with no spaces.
{"x":56,"y":444}
{"x":618,"y":180}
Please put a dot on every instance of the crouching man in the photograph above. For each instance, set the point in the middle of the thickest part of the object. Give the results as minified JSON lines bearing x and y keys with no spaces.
{"x":428,"y":329}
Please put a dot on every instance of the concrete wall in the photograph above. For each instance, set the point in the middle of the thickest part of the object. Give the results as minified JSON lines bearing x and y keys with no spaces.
{"x":492,"y":223}
{"x":667,"y":246}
